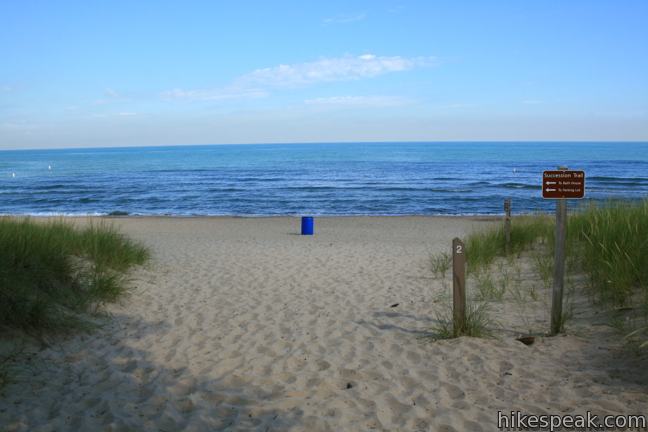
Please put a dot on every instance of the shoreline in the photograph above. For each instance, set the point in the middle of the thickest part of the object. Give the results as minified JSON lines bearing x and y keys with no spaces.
{"x":476,"y":217}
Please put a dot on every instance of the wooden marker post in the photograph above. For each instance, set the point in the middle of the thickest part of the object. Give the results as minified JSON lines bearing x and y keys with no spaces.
{"x":507,"y":224}
{"x":458,"y":287}
{"x":559,"y":264}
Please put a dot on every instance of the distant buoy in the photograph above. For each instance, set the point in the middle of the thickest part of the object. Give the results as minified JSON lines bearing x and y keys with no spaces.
{"x":13,"y":174}
{"x":49,"y":167}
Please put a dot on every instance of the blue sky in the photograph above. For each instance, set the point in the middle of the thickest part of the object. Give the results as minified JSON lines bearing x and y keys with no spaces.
{"x":115,"y":73}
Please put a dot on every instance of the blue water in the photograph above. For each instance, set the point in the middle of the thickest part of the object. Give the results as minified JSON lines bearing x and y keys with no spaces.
{"x":317,"y":179}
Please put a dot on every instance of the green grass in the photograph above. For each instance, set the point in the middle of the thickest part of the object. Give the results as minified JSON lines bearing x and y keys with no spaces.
{"x":51,"y":273}
{"x":543,"y":262}
{"x":478,"y":322}
{"x":441,"y":264}
{"x":611,"y":241}
{"x":488,"y":289}
{"x":483,"y":247}
{"x":606,"y":242}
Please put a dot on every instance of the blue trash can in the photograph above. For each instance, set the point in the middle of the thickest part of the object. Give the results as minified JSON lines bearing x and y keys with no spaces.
{"x":308,"y":225}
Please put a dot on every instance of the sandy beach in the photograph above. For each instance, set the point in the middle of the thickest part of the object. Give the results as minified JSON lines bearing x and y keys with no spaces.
{"x":243,"y":324}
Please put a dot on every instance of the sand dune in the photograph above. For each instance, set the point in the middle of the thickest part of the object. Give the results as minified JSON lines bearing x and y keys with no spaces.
{"x":241,"y":324}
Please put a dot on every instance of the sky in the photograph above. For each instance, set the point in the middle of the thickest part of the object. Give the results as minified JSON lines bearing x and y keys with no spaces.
{"x":137,"y":73}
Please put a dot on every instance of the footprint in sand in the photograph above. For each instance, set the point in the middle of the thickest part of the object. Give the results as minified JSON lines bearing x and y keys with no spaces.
{"x":412,"y":356}
{"x":454,"y":392}
{"x":323,"y":365}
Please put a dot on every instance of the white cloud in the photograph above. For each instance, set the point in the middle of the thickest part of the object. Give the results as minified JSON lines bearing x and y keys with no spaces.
{"x":345,"y":19}
{"x":257,"y":83}
{"x":359,"y":101}
{"x":215,"y":94}
{"x":110,"y":95}
{"x":332,"y":69}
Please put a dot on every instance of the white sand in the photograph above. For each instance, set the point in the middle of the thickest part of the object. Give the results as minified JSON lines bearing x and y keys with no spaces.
{"x":241,"y":324}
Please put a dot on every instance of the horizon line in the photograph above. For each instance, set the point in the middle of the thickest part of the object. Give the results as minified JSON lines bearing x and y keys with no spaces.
{"x":506,"y":141}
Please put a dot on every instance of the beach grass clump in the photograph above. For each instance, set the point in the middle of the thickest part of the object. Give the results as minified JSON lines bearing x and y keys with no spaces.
{"x":441,"y":264}
{"x":105,"y":246}
{"x":488,"y":289}
{"x":608,"y":243}
{"x":611,"y":241}
{"x":543,"y":265}
{"x":483,"y":247}
{"x":479,"y":322}
{"x":52,"y":272}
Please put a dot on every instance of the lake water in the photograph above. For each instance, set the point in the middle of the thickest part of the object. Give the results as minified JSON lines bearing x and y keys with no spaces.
{"x":315,"y":179}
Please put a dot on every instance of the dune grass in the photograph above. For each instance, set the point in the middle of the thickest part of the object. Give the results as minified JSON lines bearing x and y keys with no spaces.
{"x":607,"y":242}
{"x":612,"y":244}
{"x":441,"y":263}
{"x":483,"y":247}
{"x":488,"y":289}
{"x":478,"y":322}
{"x":52,"y":272}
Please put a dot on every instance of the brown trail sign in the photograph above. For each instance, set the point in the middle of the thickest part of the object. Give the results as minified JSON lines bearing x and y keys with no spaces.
{"x":563,"y":184}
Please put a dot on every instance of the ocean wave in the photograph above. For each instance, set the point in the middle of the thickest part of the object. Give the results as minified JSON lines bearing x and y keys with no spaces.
{"x":520,"y":186}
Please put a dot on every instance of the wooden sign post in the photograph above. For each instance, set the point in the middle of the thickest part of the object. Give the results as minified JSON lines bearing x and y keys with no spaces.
{"x":507,"y":224}
{"x":561,"y":185}
{"x":458,"y":287}
{"x":559,"y":266}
